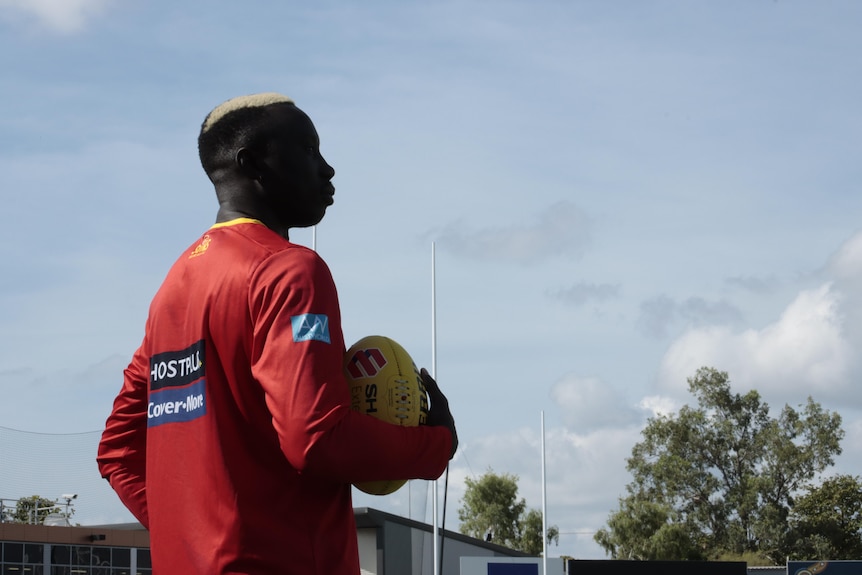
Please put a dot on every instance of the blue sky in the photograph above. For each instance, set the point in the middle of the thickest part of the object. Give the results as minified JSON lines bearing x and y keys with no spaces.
{"x":618,"y":193}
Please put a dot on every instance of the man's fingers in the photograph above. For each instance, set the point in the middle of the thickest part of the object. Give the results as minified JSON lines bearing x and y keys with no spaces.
{"x":432,"y":388}
{"x":429,"y":382}
{"x":439,"y":413}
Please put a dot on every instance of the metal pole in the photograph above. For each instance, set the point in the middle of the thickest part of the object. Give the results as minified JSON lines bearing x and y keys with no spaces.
{"x":544,"y":506}
{"x":434,"y":375}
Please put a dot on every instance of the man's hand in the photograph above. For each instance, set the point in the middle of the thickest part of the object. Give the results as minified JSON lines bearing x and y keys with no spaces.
{"x":438,"y":411}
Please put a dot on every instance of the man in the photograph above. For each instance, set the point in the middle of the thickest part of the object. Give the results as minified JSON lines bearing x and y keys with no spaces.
{"x":232,"y":439}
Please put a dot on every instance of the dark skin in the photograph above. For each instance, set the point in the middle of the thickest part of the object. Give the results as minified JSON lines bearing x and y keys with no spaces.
{"x":285,"y":186}
{"x":438,"y":412}
{"x":288,"y":185}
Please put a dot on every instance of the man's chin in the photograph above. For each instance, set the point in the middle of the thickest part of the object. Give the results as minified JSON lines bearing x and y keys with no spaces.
{"x":312,"y":220}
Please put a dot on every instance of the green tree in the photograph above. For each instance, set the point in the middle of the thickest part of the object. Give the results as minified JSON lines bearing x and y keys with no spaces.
{"x":490,"y":506}
{"x":827,"y":521}
{"x":645,"y":531}
{"x":719,"y":478}
{"x":531,"y":533}
{"x":33,"y":509}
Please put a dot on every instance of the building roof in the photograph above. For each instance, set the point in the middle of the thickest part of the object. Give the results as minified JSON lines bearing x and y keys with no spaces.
{"x":367,"y":517}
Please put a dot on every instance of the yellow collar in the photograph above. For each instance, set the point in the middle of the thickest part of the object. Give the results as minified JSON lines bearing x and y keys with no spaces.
{"x":235,"y":222}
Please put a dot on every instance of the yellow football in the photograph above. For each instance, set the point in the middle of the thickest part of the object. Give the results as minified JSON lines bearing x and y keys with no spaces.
{"x":385,"y":384}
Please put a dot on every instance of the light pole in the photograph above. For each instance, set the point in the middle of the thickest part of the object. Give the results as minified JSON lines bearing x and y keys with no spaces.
{"x":69,"y":497}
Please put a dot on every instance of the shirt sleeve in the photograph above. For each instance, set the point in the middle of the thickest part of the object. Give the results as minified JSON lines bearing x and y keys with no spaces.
{"x":121,"y":456}
{"x":298,"y":354}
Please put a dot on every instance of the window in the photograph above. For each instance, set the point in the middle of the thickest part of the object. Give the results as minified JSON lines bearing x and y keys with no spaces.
{"x":13,"y":553}
{"x":34,"y":553}
{"x":60,"y":555}
{"x":100,"y":556}
{"x":121,"y":557}
{"x":21,"y":558}
{"x":31,"y":558}
{"x":80,"y":556}
{"x":144,"y":562}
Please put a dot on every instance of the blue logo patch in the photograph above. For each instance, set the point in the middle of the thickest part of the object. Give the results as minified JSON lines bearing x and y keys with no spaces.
{"x":310,"y":326}
{"x":177,"y":404}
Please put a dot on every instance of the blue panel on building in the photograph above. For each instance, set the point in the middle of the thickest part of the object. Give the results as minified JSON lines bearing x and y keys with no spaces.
{"x":824,"y":567}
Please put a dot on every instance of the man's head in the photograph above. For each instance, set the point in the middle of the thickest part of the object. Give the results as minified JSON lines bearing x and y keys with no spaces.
{"x":262,"y":153}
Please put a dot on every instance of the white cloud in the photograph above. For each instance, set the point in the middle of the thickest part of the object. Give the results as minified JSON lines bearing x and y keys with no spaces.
{"x":659,"y":314}
{"x":60,"y":15}
{"x":851,"y":455}
{"x":656,"y":316}
{"x":845,"y":266}
{"x":805,"y":352}
{"x":580,"y":294}
{"x":585,"y":475}
{"x":846,"y":263}
{"x":808,"y":351}
{"x":561,"y":230}
{"x":658,"y":405}
{"x":754,"y":284}
{"x":588,"y":403}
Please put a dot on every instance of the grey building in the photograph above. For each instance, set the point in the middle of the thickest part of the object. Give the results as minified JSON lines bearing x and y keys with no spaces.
{"x":388,"y":545}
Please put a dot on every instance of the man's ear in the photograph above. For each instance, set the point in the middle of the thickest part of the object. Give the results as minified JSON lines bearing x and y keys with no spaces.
{"x":248,"y":164}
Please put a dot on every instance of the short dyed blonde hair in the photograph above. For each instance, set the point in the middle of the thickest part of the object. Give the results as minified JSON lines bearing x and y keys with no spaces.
{"x":238,"y":122}
{"x":243,"y":102}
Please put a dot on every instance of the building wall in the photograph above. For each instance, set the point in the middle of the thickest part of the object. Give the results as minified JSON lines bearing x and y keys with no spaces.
{"x":388,"y":545}
{"x":370,"y":557}
{"x":65,"y":550}
{"x":99,"y":535}
{"x":394,"y":545}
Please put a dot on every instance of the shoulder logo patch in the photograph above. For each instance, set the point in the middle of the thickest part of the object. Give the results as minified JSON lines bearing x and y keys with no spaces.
{"x":310,"y":327}
{"x":201,"y":247}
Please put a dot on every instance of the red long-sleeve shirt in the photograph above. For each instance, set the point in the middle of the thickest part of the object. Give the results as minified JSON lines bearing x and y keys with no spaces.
{"x":232,"y":439}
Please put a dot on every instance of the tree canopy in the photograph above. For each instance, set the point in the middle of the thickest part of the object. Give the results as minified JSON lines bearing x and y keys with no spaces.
{"x":490,"y":507}
{"x":827,"y":520}
{"x":720,"y":478}
{"x":33,"y":509}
